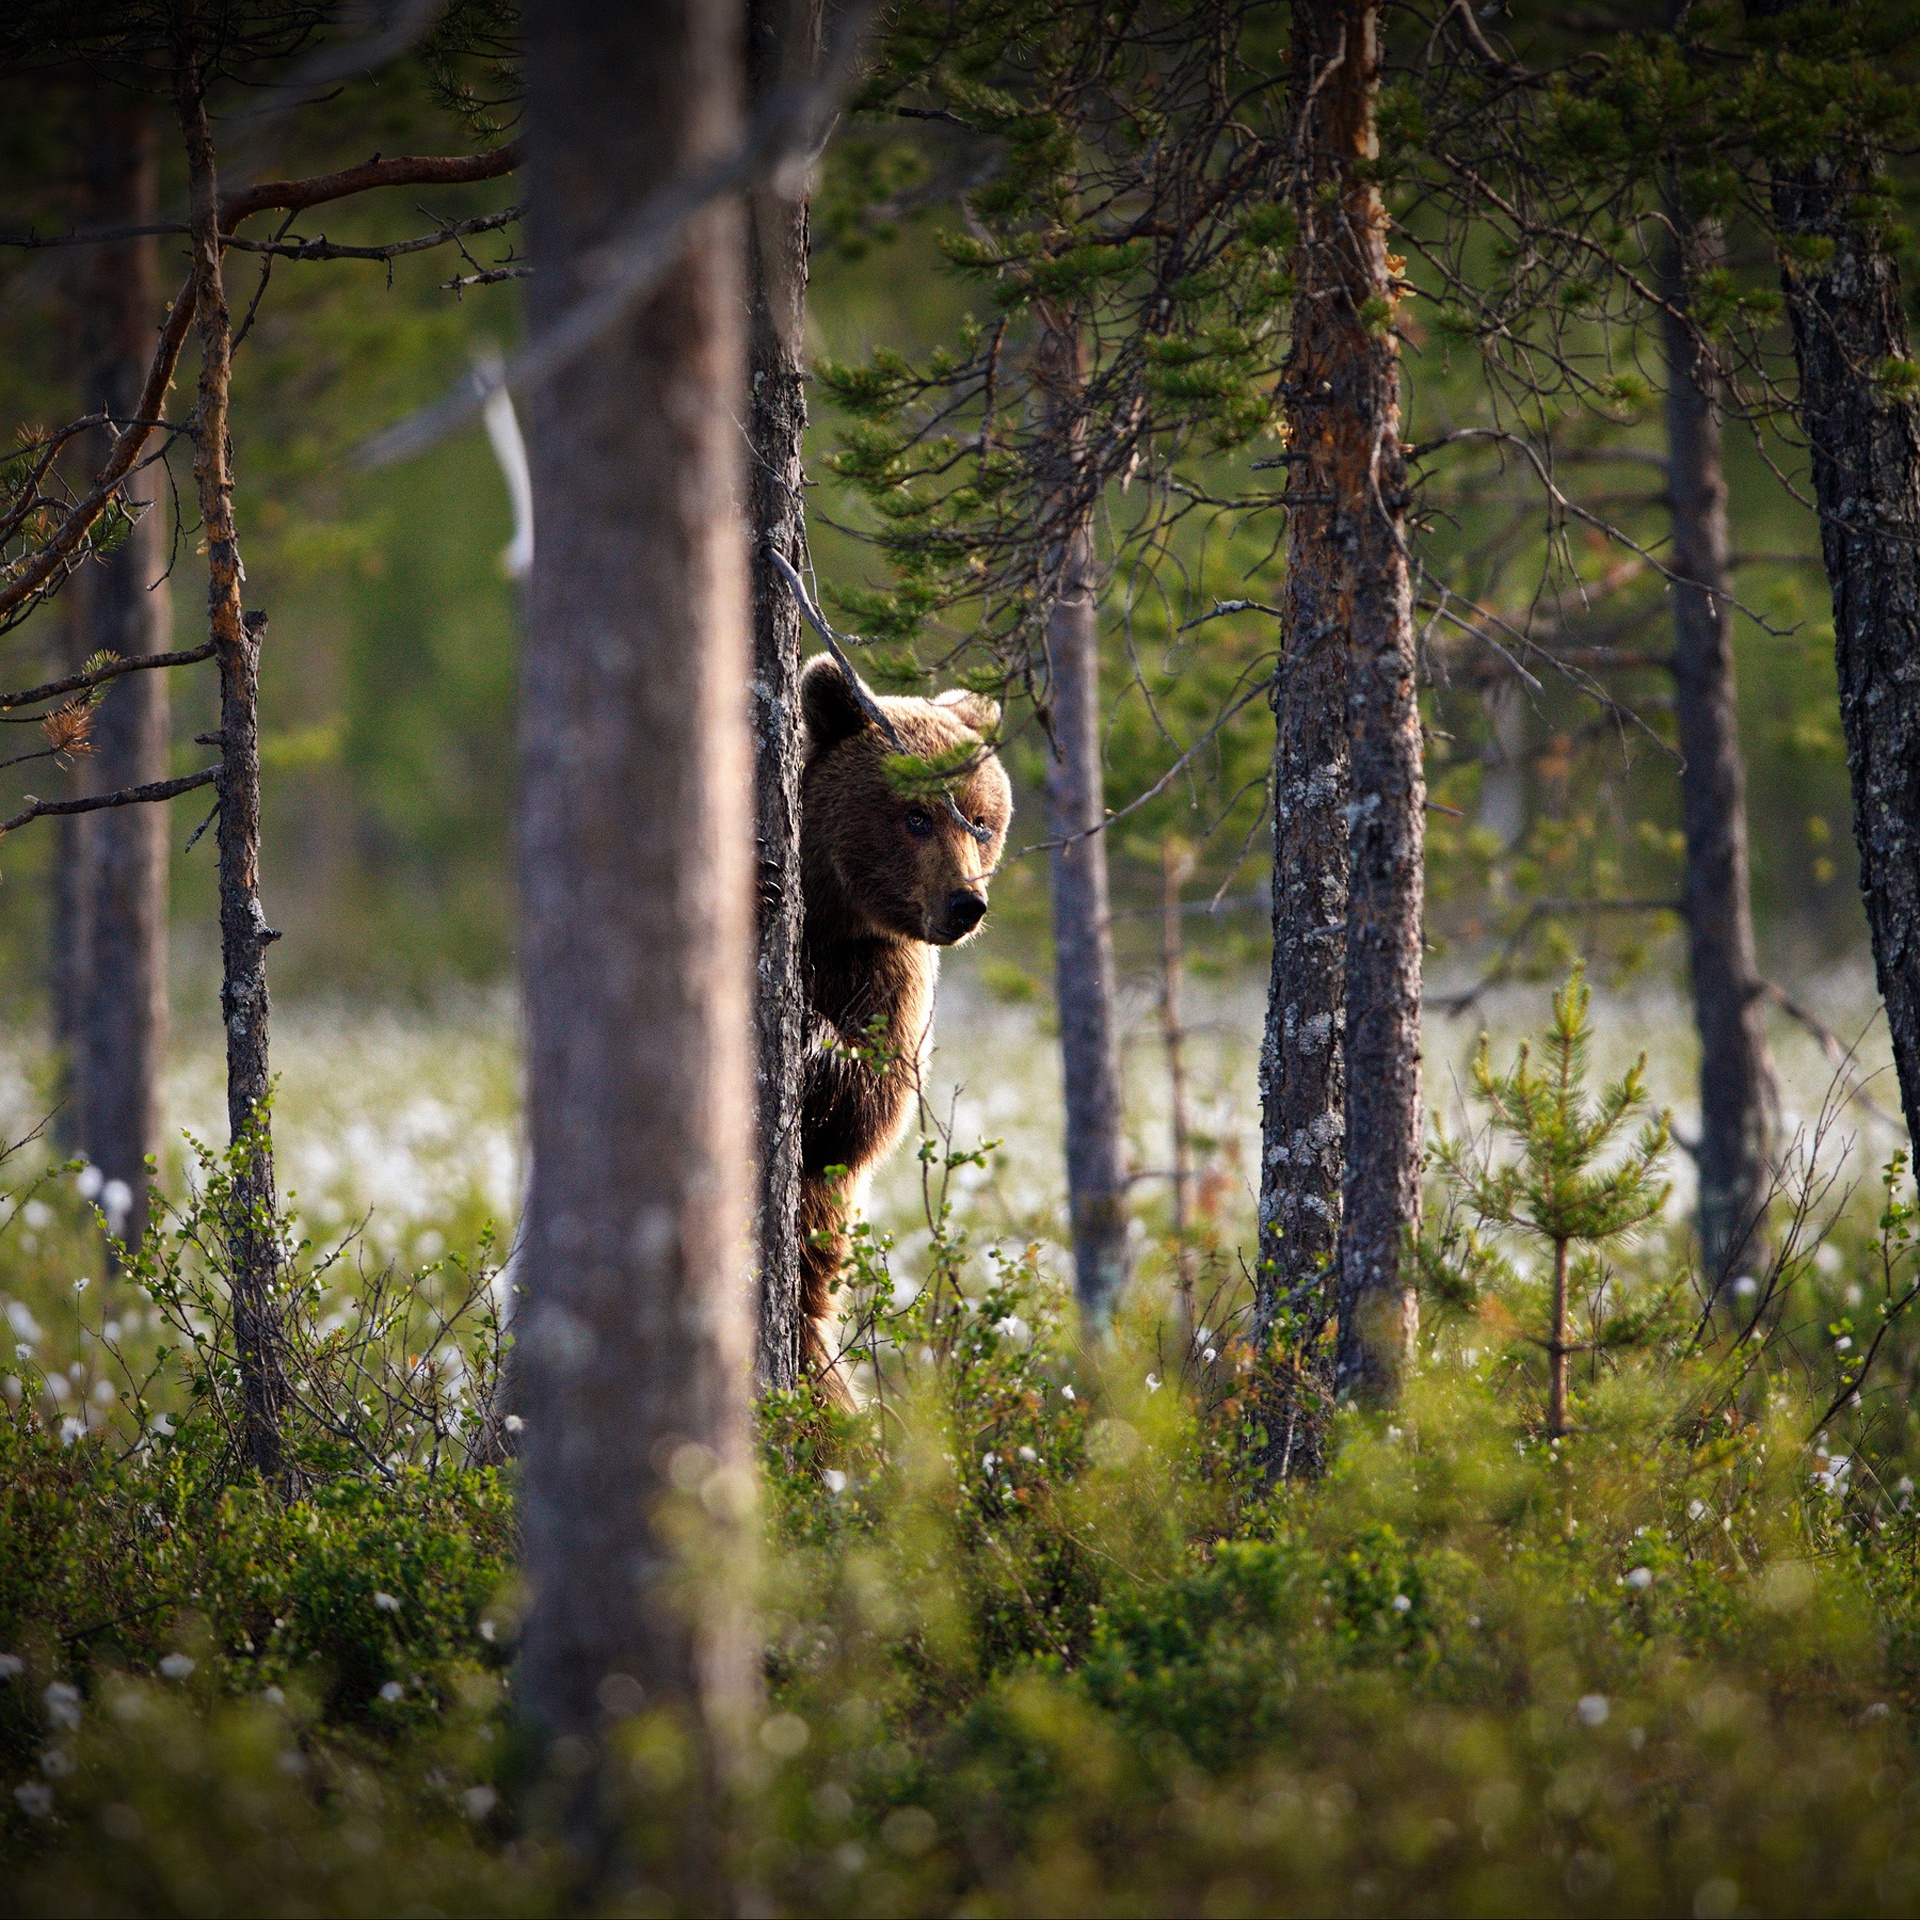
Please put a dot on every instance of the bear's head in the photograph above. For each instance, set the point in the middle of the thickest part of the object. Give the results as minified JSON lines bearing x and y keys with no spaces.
{"x":878,"y":860}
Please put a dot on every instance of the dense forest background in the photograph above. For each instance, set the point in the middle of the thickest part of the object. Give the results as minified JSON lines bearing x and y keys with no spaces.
{"x":387,"y":705}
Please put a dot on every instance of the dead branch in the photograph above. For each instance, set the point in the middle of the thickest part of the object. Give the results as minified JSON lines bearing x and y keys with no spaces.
{"x":1839,"y":1054}
{"x":1455,"y":1004}
{"x":862,"y":696}
{"x":126,"y":797}
{"x":321,"y":248}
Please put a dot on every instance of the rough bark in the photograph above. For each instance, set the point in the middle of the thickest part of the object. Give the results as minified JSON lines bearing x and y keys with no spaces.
{"x":1084,"y":987}
{"x":1863,"y":433}
{"x":1302,"y":1057}
{"x":776,"y":425}
{"x":1380,"y":1181}
{"x":635,"y":830}
{"x":1737,"y":1099}
{"x":252,"y":1243}
{"x":118,"y":1031}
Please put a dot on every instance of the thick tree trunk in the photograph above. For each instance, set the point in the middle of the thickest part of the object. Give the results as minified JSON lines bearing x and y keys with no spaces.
{"x":1386,"y":833}
{"x":119,"y":1022}
{"x":777,"y":420}
{"x":1084,"y":987}
{"x":635,"y":874}
{"x":252,"y":1242}
{"x":1736,"y":1073}
{"x":1864,"y":436}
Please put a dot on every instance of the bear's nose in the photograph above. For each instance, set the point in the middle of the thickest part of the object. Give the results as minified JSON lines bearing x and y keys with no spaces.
{"x":966,"y":909}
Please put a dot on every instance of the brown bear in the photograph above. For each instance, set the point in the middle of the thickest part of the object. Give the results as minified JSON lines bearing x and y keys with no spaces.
{"x":887,"y":878}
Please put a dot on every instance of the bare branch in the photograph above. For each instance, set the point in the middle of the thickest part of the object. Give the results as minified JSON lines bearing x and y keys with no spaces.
{"x":126,"y":797}
{"x":867,"y":703}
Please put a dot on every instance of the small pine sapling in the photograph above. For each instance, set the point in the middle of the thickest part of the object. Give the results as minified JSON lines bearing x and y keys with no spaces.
{"x":1560,"y":1182}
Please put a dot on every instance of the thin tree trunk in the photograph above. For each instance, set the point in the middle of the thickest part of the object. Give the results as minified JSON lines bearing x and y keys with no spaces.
{"x":636,"y":927}
{"x":1737,"y":1097}
{"x":1177,"y":861}
{"x":1557,"y":1347}
{"x":1084,"y":987}
{"x":119,"y":1031}
{"x":1386,"y":835}
{"x":1864,"y":436}
{"x":777,"y":420}
{"x":252,"y":1241}
{"x":1085,"y":993}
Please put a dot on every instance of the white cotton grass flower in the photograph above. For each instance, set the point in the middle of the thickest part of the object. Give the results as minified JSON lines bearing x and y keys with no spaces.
{"x":62,"y":1702}
{"x":834,"y":1480}
{"x":1153,"y":1383}
{"x":477,"y":1802}
{"x":392,"y":1691}
{"x":1401,"y":1604}
{"x":89,"y":1181}
{"x":1640,"y":1579}
{"x":11,"y":1666}
{"x":177,"y":1666}
{"x":36,"y":1800}
{"x":1028,"y":1455}
{"x":386,"y":1602}
{"x":1593,"y":1710}
{"x":20,"y":1319}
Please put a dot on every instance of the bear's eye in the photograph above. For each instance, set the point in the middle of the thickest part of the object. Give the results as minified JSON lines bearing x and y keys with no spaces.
{"x":919,"y":822}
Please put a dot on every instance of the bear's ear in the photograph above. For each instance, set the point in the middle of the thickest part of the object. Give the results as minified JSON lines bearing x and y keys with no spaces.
{"x":827,"y":704}
{"x":972,"y":709}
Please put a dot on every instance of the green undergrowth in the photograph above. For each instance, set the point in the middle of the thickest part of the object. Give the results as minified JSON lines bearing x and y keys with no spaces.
{"x":1037,"y":1636}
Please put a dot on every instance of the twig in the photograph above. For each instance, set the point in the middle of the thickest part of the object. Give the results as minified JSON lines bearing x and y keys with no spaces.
{"x":1502,"y":969}
{"x":864,"y":699}
{"x":126,"y":797}
{"x":1839,"y":1054}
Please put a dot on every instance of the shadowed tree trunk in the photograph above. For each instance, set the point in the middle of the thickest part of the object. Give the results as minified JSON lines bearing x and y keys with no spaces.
{"x":252,"y":1243}
{"x":781,"y":34}
{"x":1736,"y":1073}
{"x":636,"y":825}
{"x":1302,"y":1056}
{"x":1084,"y":987}
{"x":1863,"y":431}
{"x":1386,"y":832}
{"x":118,"y":1018}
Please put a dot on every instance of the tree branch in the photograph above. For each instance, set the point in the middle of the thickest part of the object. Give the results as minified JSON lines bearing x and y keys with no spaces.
{"x":126,"y":797}
{"x":80,"y":682}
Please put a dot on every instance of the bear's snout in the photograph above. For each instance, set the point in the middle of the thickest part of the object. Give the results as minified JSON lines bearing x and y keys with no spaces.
{"x":965,"y":910}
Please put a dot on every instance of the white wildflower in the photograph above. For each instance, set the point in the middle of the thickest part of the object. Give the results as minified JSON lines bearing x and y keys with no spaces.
{"x":176,"y":1666}
{"x":386,"y":1602}
{"x":1593,"y":1710}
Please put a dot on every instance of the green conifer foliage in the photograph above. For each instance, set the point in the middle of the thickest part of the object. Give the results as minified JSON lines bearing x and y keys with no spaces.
{"x":1565,"y":1182}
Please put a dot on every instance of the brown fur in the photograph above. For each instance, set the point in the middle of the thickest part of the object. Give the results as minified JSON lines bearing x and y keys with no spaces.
{"x":885,"y":879}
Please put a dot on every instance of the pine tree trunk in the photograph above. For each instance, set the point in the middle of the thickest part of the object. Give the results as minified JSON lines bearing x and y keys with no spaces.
{"x":1085,"y":992}
{"x":124,"y":606}
{"x":777,"y":420}
{"x":252,"y":1242}
{"x":1177,"y":868}
{"x":636,"y":828}
{"x":1737,"y":1097}
{"x":1386,"y":833}
{"x":1864,"y":438}
{"x":1302,"y":1056}
{"x":1084,"y":987}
